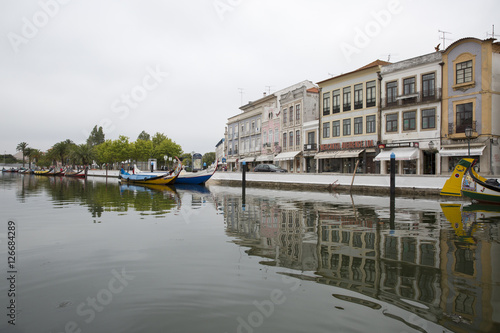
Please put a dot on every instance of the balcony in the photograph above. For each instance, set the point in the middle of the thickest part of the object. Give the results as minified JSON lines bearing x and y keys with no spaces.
{"x":310,"y":147}
{"x":411,"y":99}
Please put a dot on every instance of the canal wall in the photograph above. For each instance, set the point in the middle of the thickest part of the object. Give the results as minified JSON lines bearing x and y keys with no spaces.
{"x":408,"y":185}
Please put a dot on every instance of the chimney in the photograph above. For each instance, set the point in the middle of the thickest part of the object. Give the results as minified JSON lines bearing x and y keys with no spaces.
{"x":264,"y":94}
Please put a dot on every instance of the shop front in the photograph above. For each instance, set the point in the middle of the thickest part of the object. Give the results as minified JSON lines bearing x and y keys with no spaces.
{"x":406,"y":160}
{"x":289,"y":161}
{"x":450,"y":156}
{"x":344,"y":157}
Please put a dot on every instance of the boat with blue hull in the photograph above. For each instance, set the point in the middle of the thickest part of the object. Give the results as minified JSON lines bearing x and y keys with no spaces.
{"x":191,"y":178}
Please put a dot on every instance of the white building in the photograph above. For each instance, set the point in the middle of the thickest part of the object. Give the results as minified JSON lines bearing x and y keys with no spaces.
{"x":411,"y":115}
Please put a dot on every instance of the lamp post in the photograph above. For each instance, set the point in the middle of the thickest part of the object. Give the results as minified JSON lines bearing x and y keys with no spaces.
{"x":468,"y":134}
{"x":431,"y":148}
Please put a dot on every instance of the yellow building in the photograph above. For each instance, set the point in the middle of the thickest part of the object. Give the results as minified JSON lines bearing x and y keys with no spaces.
{"x":471,"y":100}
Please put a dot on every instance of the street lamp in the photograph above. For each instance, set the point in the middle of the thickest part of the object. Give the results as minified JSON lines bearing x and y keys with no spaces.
{"x":431,"y":149}
{"x":468,"y":134}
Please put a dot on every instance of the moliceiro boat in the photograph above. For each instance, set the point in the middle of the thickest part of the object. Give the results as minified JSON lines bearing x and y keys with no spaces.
{"x":464,"y":181}
{"x":192,"y":178}
{"x":155,"y":179}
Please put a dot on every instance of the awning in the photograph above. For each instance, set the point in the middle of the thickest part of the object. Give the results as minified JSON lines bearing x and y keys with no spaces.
{"x":402,"y":154}
{"x":248,"y":159}
{"x":231,"y":160}
{"x":290,"y":155}
{"x":475,"y":151}
{"x":348,"y":153}
{"x":264,"y":158}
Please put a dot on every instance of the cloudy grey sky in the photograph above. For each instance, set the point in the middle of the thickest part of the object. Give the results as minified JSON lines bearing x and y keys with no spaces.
{"x":176,"y":66}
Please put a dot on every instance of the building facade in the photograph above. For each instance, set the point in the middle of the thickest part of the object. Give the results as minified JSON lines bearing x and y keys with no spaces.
{"x":298,"y":107}
{"x":471,"y":99}
{"x":411,"y":115}
{"x":349,"y":121}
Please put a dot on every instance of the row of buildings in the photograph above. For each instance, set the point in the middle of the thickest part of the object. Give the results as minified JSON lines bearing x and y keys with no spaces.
{"x":430,"y":111}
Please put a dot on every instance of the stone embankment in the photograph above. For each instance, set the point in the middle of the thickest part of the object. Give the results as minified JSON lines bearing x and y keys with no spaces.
{"x":407,"y":185}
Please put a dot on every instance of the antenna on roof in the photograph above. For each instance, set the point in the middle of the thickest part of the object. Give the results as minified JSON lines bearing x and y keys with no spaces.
{"x":241,"y":93}
{"x":444,"y":37}
{"x":492,"y":35}
{"x":268,"y":89}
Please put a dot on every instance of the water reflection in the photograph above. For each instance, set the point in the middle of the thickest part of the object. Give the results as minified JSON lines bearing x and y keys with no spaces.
{"x":441,"y":267}
{"x":101,"y":195}
{"x":436,"y":261}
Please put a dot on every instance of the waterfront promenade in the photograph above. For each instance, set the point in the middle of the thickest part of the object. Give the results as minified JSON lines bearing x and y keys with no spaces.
{"x":372,"y":183}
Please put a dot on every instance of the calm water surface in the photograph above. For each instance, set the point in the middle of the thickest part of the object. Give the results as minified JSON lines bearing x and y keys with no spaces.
{"x":94,"y":256}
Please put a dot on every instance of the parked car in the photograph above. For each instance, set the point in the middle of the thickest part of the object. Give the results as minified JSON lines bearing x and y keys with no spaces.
{"x":268,"y":168}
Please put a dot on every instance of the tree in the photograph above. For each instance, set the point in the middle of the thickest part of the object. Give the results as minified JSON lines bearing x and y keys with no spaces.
{"x":96,"y":136}
{"x":162,"y":146}
{"x":34,"y":155}
{"x":208,"y":158}
{"x":104,"y":153}
{"x":83,"y":154}
{"x":187,"y":159}
{"x":61,"y":150}
{"x":141,"y":150}
{"x":22,"y":147}
{"x":144,"y":136}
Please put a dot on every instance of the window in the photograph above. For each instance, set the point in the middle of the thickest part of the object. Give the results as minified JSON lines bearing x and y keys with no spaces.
{"x":391,"y":124}
{"x":291,"y":139}
{"x":392,"y":92}
{"x":336,"y":128}
{"x":336,"y":101}
{"x":291,"y":114}
{"x":271,"y":136}
{"x":326,"y":104}
{"x":409,"y":120}
{"x":284,"y":116}
{"x":358,"y":96}
{"x":297,"y":138}
{"x":284,"y":140}
{"x":310,"y":137}
{"x":326,"y":130}
{"x":370,"y":94}
{"x":276,"y":136}
{"x":428,"y":85}
{"x":428,"y":118}
{"x":346,"y":127}
{"x":248,"y":126}
{"x":370,"y":124}
{"x":253,"y":126}
{"x":358,"y":125}
{"x":409,"y":86}
{"x":297,"y":112}
{"x":347,"y":99}
{"x":242,"y":129}
{"x":464,"y":117}
{"x":464,"y":72}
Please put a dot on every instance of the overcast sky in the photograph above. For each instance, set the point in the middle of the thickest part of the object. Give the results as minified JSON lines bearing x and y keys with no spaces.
{"x":177,"y":67}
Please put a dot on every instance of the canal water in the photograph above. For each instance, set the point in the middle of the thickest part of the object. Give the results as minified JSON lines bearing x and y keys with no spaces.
{"x":96,"y":256}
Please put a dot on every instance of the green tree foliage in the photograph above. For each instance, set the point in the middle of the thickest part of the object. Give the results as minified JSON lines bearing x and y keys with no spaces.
{"x":186,"y":159}
{"x":141,"y":150}
{"x":61,"y":150}
{"x":104,"y":152}
{"x":144,"y":136}
{"x":162,"y":146}
{"x":121,"y":149}
{"x":208,"y":158}
{"x":22,"y":148}
{"x":96,"y":136}
{"x":83,"y":154}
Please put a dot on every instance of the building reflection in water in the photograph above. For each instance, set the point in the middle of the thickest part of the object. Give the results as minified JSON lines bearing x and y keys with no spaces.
{"x":423,"y":265}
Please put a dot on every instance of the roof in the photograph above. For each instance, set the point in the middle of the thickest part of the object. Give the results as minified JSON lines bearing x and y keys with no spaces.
{"x":375,"y":63}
